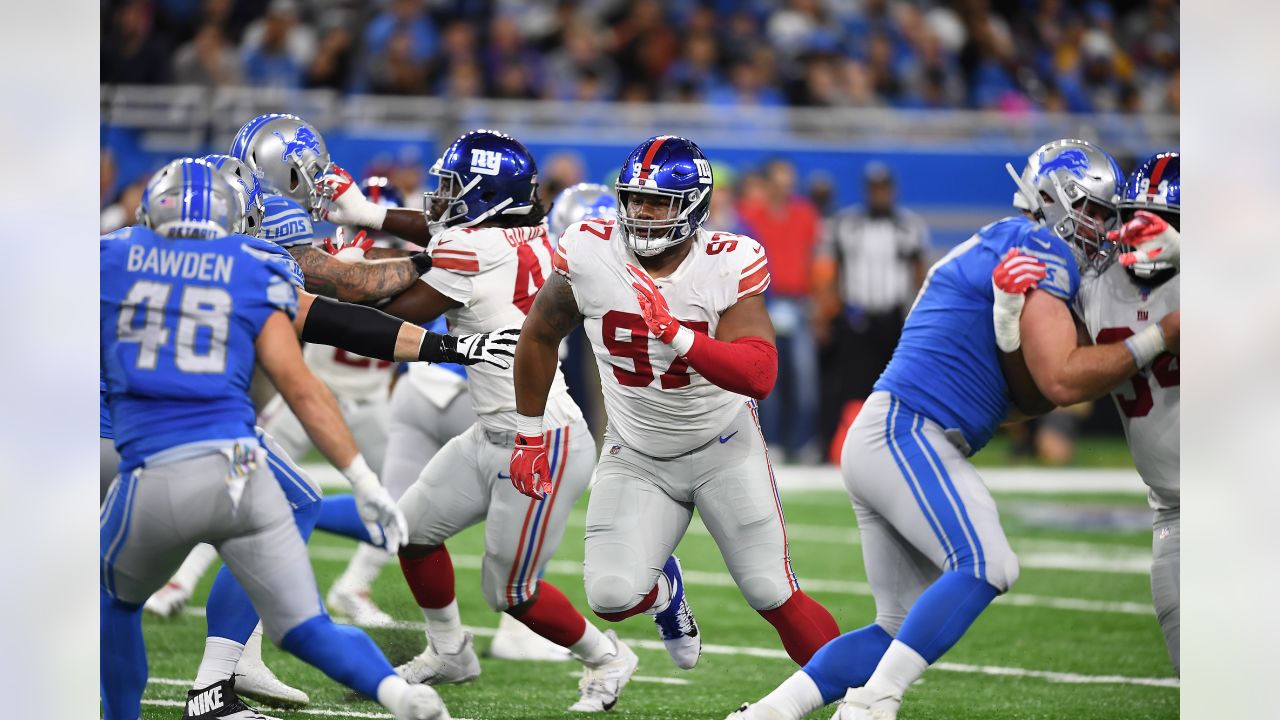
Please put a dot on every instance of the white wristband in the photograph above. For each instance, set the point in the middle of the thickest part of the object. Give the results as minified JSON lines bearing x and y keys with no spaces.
{"x":372,"y":215}
{"x":529,"y":426}
{"x":359,"y":474}
{"x":683,"y":341}
{"x":1146,"y":345}
{"x":1007,"y":318}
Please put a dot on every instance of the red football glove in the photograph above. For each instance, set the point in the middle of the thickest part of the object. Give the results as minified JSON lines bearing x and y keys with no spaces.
{"x":349,"y":249}
{"x":657,"y":315}
{"x":530,"y":473}
{"x":1151,"y":237}
{"x":335,"y":182}
{"x":1018,"y":273}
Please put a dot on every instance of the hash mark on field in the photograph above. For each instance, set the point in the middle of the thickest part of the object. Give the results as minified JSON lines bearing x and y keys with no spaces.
{"x":776,"y":654}
{"x":647,"y":679}
{"x":846,"y":587}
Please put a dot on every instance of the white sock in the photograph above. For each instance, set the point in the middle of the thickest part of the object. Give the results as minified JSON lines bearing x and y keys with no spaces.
{"x":198,"y":560}
{"x":391,"y":692}
{"x":594,"y":647}
{"x":796,"y":697}
{"x":218,"y":663}
{"x":363,"y":568}
{"x":665,"y":593}
{"x":253,"y":648}
{"x":444,"y":628}
{"x":899,"y":667}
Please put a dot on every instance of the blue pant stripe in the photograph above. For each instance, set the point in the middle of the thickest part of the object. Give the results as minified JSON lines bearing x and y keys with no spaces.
{"x":890,"y":432}
{"x":950,"y":487}
{"x":962,"y":557}
{"x":538,"y":520}
{"x":124,"y":513}
{"x":286,"y":477}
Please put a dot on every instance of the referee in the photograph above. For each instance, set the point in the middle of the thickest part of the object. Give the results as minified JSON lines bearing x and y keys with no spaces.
{"x":868,"y":268}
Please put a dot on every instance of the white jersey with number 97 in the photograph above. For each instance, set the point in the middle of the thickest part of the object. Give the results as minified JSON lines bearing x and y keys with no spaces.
{"x":1115,"y":307}
{"x":656,"y":403}
{"x":495,"y":273}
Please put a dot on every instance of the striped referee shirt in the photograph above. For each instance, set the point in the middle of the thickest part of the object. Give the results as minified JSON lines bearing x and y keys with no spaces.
{"x":876,"y":256}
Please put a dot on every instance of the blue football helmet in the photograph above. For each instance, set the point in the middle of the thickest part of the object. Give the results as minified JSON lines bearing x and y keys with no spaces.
{"x":241,"y":177}
{"x":664,"y":194}
{"x":482,"y":175}
{"x":1156,"y":187}
{"x":287,"y":153}
{"x":379,"y":189}
{"x":579,"y":202}
{"x":190,"y":198}
{"x":1071,"y":186}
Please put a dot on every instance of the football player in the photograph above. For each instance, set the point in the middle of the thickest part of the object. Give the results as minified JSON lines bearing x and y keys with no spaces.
{"x":1133,"y":302}
{"x":677,"y":322}
{"x":932,"y":543}
{"x":188,"y":307}
{"x":490,"y":254}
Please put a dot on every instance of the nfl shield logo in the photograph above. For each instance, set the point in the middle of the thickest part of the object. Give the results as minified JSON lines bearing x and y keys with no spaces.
{"x":615,"y":449}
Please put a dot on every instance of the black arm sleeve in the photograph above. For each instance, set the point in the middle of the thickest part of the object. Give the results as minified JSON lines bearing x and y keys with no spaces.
{"x":354,"y":328}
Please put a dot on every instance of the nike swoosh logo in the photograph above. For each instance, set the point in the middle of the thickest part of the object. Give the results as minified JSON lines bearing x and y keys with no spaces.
{"x":1043,"y":243}
{"x":726,"y":439}
{"x":609,"y":705}
{"x":504,"y":476}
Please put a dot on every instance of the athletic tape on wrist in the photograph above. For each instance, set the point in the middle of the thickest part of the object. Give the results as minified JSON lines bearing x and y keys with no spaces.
{"x":683,"y":341}
{"x":529,"y":426}
{"x":1146,"y":345}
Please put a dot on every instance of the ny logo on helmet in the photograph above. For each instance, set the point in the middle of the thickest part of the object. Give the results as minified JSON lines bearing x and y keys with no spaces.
{"x":303,"y":139}
{"x":486,"y":162}
{"x":1073,"y":161}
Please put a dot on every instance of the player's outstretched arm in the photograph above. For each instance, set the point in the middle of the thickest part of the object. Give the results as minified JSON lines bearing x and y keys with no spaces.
{"x":1067,"y":373}
{"x":554,"y":315}
{"x":354,"y":282}
{"x":280,"y":357}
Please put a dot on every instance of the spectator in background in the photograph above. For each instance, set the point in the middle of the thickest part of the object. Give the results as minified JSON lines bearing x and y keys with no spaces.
{"x":124,"y":210}
{"x":208,"y":60}
{"x":131,"y":53}
{"x":277,"y":48}
{"x":331,"y":66}
{"x":868,"y":269}
{"x":561,"y":170}
{"x":644,"y":43}
{"x":106,"y":176}
{"x":394,"y":71}
{"x":581,"y":58}
{"x":789,"y":227}
{"x":513,"y":69}
{"x":407,"y":16}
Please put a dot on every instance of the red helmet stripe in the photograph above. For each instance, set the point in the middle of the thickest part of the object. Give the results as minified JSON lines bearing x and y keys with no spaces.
{"x":1154,"y":184}
{"x":646,"y":165}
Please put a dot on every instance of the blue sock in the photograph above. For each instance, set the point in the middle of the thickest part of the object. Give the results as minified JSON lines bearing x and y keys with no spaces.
{"x":229,"y":612}
{"x":342,"y":652}
{"x":122,"y":657}
{"x":847,"y":661}
{"x":338,"y":515}
{"x":944,"y":612}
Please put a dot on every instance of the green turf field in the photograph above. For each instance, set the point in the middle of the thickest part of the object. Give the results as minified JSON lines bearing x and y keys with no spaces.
{"x":1076,"y":638}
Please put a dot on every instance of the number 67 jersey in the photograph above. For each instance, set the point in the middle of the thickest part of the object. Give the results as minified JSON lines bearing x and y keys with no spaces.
{"x":655,"y":402}
{"x":1114,"y":306}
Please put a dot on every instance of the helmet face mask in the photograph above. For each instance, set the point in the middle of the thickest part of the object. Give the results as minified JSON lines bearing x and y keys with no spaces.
{"x":287,"y":153}
{"x":482,"y":176}
{"x":664,"y":194}
{"x":189,"y":198}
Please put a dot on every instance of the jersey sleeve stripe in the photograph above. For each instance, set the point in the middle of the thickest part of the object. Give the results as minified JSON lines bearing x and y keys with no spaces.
{"x":559,"y":262}
{"x":754,"y":283}
{"x":753,"y":267}
{"x":439,"y":252}
{"x":456,"y":264}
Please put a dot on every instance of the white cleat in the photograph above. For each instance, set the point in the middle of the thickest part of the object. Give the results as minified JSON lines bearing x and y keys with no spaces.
{"x":169,"y":600}
{"x":421,"y":702}
{"x":434,"y":668}
{"x":515,"y":641}
{"x":601,"y":685}
{"x":867,"y":704}
{"x":755,"y":712}
{"x":255,"y":680}
{"x":356,"y":605}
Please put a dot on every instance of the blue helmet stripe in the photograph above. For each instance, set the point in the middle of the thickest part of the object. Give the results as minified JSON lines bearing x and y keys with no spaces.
{"x":243,"y":138}
{"x":186,"y":184}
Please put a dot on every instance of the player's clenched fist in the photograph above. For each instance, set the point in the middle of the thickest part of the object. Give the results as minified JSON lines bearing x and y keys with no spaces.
{"x":530,"y":473}
{"x":1151,"y":237}
{"x":657,"y":315}
{"x":1016,"y":275}
{"x":341,"y":202}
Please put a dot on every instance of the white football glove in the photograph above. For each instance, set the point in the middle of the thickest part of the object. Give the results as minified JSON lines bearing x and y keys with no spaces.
{"x":376,"y":506}
{"x":341,"y":202}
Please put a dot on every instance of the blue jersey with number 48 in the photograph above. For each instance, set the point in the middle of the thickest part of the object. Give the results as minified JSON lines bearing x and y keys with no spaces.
{"x":947,"y":365}
{"x":179,"y":318}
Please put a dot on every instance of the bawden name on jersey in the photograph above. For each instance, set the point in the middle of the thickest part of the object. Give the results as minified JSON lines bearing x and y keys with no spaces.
{"x":206,"y":266}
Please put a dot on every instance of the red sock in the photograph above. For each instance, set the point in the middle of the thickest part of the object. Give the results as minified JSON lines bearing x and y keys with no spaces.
{"x":552,"y":616}
{"x":645,"y":603}
{"x":429,"y":572}
{"x":803,"y":624}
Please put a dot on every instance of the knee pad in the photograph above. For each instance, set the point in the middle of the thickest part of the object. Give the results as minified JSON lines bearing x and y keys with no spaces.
{"x":764,"y":593}
{"x":613,"y":593}
{"x":1002,"y":571}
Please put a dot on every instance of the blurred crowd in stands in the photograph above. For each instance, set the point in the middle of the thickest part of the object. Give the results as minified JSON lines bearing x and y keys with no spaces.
{"x":1007,"y":55}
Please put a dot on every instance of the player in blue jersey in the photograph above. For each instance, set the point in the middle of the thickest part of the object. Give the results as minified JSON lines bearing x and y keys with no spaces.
{"x":933,"y":547}
{"x":187,"y":308}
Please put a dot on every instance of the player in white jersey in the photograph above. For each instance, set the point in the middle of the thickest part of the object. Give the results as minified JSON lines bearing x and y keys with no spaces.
{"x":490,"y":254}
{"x":1126,"y":302}
{"x":683,"y":428}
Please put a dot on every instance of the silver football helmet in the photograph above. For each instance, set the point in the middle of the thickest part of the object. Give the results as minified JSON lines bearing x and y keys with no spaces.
{"x":190,"y":198}
{"x":1071,"y":186}
{"x":243,"y":180}
{"x":287,"y":153}
{"x":579,"y":202}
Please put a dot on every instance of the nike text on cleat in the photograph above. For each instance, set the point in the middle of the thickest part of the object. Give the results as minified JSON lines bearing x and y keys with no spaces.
{"x":676,"y":624}
{"x":867,"y":704}
{"x":434,"y":668}
{"x":357,"y":606}
{"x":168,"y":600}
{"x":219,"y":702}
{"x":601,"y":685}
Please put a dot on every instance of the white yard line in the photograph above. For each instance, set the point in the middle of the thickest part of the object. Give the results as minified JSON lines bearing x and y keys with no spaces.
{"x":647,"y":679}
{"x":318,"y":712}
{"x":847,"y":587}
